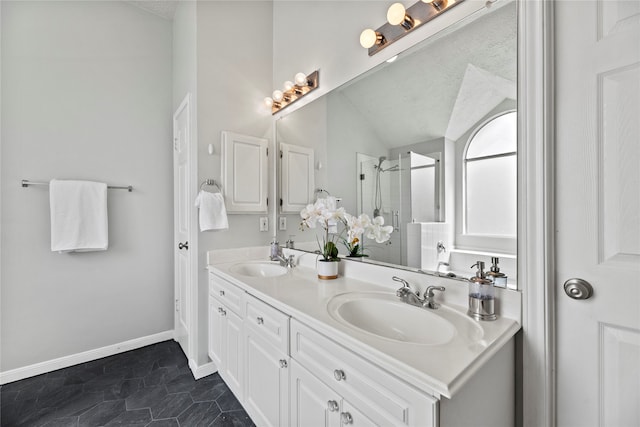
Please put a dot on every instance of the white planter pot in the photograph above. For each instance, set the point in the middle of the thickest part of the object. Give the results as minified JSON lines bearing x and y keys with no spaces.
{"x":327,"y":269}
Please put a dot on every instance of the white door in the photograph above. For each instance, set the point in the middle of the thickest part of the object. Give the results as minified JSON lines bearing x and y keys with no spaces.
{"x":597,"y":211}
{"x":184,"y":230}
{"x":266,"y":379}
{"x":313,"y":404}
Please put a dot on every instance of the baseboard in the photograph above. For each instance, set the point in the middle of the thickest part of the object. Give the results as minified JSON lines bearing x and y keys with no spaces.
{"x":202,"y":370}
{"x":86,"y":356}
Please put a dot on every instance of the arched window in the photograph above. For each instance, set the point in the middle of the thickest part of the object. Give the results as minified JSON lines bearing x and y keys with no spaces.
{"x":490,"y":179}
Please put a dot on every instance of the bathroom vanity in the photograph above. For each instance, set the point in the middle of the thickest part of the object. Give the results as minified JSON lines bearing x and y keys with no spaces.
{"x":300,"y":351}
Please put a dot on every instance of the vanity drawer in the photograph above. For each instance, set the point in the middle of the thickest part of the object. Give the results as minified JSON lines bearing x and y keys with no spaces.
{"x":269,"y":322}
{"x":227,"y":293}
{"x":386,"y":399}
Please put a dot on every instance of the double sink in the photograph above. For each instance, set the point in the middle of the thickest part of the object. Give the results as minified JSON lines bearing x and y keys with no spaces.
{"x":382,"y":314}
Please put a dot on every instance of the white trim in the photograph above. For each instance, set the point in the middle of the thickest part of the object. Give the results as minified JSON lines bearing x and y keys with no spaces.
{"x":202,"y":370}
{"x":86,"y":356}
{"x":535,"y":207}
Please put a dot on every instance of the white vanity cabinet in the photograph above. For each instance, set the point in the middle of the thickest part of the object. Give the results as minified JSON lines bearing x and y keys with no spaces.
{"x":266,"y":346}
{"x":226,"y":311}
{"x":313,"y":403}
{"x":361,"y":387}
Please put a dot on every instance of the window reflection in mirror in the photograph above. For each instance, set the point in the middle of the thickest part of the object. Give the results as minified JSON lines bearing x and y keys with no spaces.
{"x":403,"y":141}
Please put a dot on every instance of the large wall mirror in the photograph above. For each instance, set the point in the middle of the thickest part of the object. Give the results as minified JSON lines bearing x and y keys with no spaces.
{"x":428,"y":142}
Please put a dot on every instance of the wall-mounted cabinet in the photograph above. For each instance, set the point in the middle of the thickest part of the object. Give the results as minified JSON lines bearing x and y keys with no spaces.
{"x":245,"y":173}
{"x":296,"y":177}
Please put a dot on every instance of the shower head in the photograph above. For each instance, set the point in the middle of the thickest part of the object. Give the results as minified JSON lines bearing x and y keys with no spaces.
{"x":381,"y":159}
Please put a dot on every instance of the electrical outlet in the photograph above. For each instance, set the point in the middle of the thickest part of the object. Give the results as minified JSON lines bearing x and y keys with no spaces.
{"x":283,"y":223}
{"x":264,"y":223}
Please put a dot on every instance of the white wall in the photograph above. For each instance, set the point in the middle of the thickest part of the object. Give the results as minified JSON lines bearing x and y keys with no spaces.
{"x":86,"y":95}
{"x":234,"y":62}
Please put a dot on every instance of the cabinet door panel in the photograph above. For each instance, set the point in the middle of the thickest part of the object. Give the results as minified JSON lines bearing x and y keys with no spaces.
{"x":233,"y":354}
{"x":215,"y":332}
{"x":355,"y":417}
{"x":311,"y":400}
{"x":266,"y":390}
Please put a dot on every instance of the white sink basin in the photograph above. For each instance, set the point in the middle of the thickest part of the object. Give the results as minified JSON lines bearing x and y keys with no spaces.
{"x":258,"y":269}
{"x":385,"y":316}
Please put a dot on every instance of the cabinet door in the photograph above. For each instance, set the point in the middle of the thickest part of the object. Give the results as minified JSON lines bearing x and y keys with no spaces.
{"x":216,"y":324}
{"x":313,"y":404}
{"x":266,"y":391}
{"x":245,"y":173}
{"x":296,"y":177}
{"x":232,"y":365}
{"x":353,"y":417}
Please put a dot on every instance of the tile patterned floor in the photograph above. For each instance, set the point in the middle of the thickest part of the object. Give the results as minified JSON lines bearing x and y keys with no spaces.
{"x":151,"y":386}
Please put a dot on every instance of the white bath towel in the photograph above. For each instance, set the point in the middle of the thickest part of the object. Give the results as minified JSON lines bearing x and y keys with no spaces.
{"x":78,"y":216}
{"x":213,"y":213}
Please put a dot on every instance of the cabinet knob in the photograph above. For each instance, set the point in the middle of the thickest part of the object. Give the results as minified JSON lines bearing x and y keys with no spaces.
{"x":339,"y":375}
{"x":283,"y":363}
{"x":260,"y":320}
{"x":221,"y":293}
{"x":346,"y":418}
{"x":222,"y":311}
{"x":333,"y":406}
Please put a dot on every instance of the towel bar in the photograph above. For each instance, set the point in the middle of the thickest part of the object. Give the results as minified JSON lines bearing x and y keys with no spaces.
{"x":129,"y":188}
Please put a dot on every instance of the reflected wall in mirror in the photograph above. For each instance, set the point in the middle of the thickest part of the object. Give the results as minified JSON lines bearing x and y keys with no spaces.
{"x":428,"y":143}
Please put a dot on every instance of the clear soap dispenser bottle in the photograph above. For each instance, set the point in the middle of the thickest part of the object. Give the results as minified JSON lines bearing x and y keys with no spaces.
{"x":499,"y":279}
{"x":481,"y":295}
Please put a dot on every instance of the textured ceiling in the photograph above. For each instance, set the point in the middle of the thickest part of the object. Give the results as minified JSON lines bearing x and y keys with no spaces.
{"x":444,"y":87}
{"x":163,"y":8}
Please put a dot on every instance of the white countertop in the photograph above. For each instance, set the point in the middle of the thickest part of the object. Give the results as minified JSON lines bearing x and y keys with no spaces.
{"x":437,"y":369}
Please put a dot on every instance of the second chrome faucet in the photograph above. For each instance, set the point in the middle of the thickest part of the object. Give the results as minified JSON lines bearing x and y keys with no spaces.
{"x":406,"y":294}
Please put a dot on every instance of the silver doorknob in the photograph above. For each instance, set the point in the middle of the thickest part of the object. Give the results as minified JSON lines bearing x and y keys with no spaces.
{"x":346,"y":418}
{"x":333,"y":406}
{"x":283,"y":363}
{"x":184,"y":245}
{"x":578,"y":289}
{"x":339,"y":375}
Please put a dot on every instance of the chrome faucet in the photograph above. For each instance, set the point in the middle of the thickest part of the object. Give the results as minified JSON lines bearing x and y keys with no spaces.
{"x":406,"y":294}
{"x":429,"y":301}
{"x":278,"y":255}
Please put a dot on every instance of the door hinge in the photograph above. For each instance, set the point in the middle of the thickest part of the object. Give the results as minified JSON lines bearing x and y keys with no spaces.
{"x":361,"y":177}
{"x":177,"y":305}
{"x":280,"y":153}
{"x":280,"y":202}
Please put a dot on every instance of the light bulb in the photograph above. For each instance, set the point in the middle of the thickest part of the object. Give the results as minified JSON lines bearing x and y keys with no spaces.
{"x":288,"y":85}
{"x":368,"y":38}
{"x":438,"y":4}
{"x":277,"y":95}
{"x":300,"y":79}
{"x":396,"y":14}
{"x":268,"y":101}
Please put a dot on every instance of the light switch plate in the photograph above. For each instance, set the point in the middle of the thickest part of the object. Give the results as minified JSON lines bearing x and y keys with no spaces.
{"x":283,"y":223}
{"x":264,"y":223}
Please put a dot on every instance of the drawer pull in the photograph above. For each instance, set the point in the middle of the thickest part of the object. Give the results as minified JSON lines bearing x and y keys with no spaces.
{"x":221,"y":293}
{"x":333,"y":406}
{"x":283,"y":363}
{"x":346,"y":418}
{"x":222,"y":311}
{"x":339,"y":375}
{"x":260,"y":320}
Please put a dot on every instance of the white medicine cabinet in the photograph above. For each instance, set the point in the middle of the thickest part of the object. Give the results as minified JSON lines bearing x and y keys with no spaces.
{"x":296,"y":177}
{"x":245,"y":173}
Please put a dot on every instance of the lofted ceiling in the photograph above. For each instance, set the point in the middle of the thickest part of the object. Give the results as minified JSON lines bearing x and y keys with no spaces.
{"x":163,"y":8}
{"x":444,"y":87}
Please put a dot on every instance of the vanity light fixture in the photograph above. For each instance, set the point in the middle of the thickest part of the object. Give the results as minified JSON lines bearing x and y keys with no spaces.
{"x":301,"y":85}
{"x":401,"y":21}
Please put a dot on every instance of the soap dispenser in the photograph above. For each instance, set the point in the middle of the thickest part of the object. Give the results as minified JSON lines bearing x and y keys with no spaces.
{"x":274,"y":252}
{"x":499,"y":279}
{"x":481,"y":295}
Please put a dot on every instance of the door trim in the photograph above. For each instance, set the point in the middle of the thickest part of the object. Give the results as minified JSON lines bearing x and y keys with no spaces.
{"x":536,"y":211}
{"x":192,"y":301}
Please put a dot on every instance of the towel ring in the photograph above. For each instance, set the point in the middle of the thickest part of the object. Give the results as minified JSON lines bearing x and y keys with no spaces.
{"x":210,"y":182}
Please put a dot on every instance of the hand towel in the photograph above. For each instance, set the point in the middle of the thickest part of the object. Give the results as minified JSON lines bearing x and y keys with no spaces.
{"x":213,"y":213}
{"x":78,"y":216}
